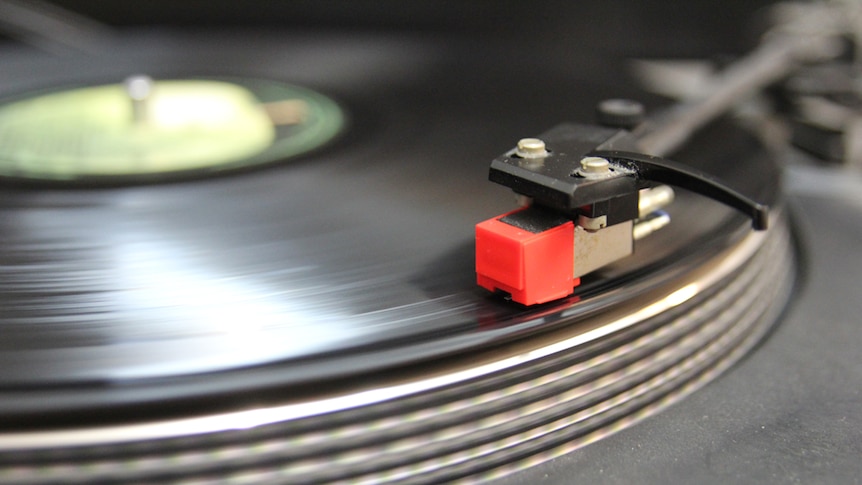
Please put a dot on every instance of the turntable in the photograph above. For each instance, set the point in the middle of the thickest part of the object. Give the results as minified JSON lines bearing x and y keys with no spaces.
{"x":239,"y":244}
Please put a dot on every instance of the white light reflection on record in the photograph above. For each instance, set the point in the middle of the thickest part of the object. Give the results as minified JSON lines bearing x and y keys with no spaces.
{"x":213,"y":322}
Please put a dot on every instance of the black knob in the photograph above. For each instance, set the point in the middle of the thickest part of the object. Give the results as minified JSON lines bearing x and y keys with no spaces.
{"x":620,"y":113}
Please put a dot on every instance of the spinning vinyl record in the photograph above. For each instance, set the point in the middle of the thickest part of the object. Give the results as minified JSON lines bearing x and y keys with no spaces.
{"x":354,"y":258}
{"x":259,"y":246}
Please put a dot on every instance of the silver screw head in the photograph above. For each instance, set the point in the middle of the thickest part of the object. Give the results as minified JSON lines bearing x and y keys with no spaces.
{"x":596,"y":168}
{"x":531,"y":148}
{"x":595,"y":165}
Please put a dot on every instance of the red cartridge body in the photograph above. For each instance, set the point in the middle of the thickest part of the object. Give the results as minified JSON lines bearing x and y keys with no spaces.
{"x":533,"y":267}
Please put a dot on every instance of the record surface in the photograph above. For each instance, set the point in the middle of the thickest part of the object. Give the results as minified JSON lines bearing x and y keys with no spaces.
{"x":132,"y":380}
{"x":356,"y":257}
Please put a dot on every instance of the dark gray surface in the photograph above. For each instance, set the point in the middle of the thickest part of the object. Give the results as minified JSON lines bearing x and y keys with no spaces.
{"x":789,"y":413}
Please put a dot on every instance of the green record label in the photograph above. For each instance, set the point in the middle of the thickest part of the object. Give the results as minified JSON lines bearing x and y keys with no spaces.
{"x":149,"y":129}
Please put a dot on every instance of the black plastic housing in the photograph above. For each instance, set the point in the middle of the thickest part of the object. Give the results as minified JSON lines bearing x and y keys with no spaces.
{"x":553,"y":182}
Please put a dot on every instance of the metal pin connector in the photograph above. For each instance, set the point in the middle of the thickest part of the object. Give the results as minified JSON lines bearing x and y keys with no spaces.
{"x":653,"y":199}
{"x":650,"y":224}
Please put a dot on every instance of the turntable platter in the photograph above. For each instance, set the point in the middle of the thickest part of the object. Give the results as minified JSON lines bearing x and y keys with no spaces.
{"x":356,"y":258}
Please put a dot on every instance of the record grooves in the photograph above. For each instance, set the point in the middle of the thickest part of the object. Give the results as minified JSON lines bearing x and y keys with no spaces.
{"x":582,"y":395}
{"x":281,"y":317}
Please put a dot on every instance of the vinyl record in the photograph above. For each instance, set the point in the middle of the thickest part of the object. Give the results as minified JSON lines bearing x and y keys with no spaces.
{"x":249,"y":256}
{"x":354,"y":258}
